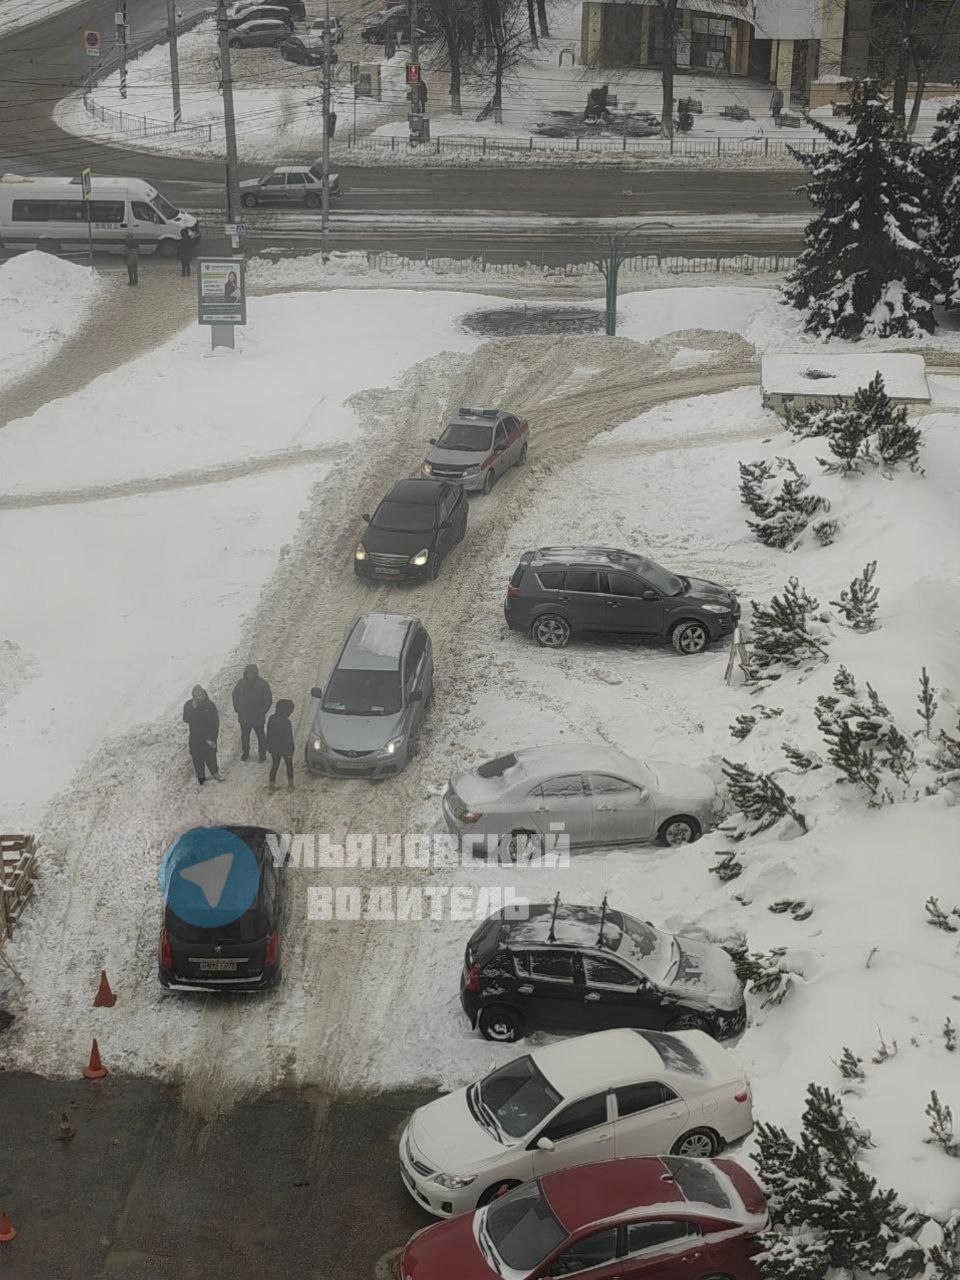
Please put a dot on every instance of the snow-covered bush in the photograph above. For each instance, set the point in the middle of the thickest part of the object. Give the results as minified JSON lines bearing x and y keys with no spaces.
{"x":868,"y":265}
{"x":777,"y":497}
{"x":859,"y":602}
{"x":780,"y":632}
{"x":870,"y":429}
{"x":941,"y":162}
{"x":758,"y":802}
{"x":864,"y":742}
{"x":766,"y":976}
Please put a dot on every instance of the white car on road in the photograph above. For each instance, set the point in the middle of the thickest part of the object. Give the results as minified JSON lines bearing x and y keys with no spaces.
{"x":598,"y":1097}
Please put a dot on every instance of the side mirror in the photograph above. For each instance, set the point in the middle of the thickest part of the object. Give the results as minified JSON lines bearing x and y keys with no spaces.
{"x":316,"y":692}
{"x":545,"y":1144}
{"x":650,"y":595}
{"x":366,"y":517}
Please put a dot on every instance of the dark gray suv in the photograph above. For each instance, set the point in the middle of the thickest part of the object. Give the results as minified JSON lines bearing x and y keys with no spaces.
{"x":557,"y":592}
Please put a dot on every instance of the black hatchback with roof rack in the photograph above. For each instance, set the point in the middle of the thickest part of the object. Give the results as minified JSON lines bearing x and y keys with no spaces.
{"x":559,"y":592}
{"x":566,"y":968}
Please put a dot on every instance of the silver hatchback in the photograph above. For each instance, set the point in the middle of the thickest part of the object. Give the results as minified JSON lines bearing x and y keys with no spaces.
{"x":370,"y":711}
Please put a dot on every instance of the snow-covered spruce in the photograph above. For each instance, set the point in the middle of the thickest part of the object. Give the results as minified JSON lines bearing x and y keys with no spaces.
{"x":802,"y":761}
{"x":780,"y":632}
{"x":863,"y":741}
{"x":829,"y":1217}
{"x":928,"y":704}
{"x":941,"y":1125}
{"x":768,"y":977}
{"x":850,"y":1066}
{"x":868,"y":266}
{"x":942,"y":165}
{"x":860,"y":601}
{"x":776,"y":494}
{"x":758,"y":802}
{"x":743,"y":724}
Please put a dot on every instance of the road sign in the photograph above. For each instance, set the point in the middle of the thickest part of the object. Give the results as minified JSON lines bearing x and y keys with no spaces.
{"x":354,"y":72}
{"x":413,"y":73}
{"x":86,"y":183}
{"x":234,"y":228}
{"x":91,"y":43}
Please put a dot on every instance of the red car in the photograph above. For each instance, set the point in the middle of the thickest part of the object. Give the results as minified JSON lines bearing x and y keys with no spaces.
{"x":657,"y":1217}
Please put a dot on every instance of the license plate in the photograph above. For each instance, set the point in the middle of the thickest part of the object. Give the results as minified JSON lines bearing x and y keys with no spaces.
{"x":352,"y":764}
{"x":387,"y":573}
{"x":219,"y":966}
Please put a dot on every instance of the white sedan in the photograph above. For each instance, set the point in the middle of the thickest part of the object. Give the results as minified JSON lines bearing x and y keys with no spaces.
{"x":598,"y":1097}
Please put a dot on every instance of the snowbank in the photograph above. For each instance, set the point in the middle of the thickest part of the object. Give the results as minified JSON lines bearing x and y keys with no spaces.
{"x":43,"y":301}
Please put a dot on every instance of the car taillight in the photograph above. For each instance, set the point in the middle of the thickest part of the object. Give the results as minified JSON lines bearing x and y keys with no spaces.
{"x":513,"y":593}
{"x":470,"y":816}
{"x":742,"y":1096}
{"x":473,"y":978}
{"x":166,"y":953}
{"x":273,"y":948}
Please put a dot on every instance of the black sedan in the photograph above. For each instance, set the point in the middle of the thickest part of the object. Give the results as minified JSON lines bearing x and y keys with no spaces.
{"x":412,"y":530}
{"x":224,"y":909}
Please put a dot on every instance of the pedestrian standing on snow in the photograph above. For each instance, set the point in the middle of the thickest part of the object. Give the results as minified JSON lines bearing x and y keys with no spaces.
{"x":252,"y":699}
{"x":776,"y":105}
{"x":131,"y":257}
{"x":185,"y":252}
{"x":280,"y":742}
{"x":204,"y":721}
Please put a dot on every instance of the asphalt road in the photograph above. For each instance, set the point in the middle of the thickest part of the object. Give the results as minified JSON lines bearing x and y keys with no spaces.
{"x":42,"y":63}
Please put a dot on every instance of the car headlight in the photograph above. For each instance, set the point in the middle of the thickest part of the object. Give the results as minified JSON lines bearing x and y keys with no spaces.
{"x":427,"y":469}
{"x":421,"y":557}
{"x":472,"y":471}
{"x":453,"y":1181}
{"x":361,"y":552}
{"x":393,"y":746}
{"x":318,"y":744}
{"x":715,"y":608}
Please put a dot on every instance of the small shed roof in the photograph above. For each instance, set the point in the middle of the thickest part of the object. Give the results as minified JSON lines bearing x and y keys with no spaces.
{"x":827,"y":375}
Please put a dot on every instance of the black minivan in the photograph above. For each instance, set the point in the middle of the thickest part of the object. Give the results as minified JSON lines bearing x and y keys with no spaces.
{"x":412,"y":531}
{"x":579,"y":969}
{"x":244,"y":955}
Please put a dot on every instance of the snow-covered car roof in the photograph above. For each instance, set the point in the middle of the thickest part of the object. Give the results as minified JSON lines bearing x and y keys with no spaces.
{"x":576,"y":757}
{"x":376,"y":642}
{"x":606,"y":1059}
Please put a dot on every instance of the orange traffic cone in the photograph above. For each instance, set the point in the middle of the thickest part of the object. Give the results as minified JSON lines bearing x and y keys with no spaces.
{"x":95,"y":1070}
{"x":104,"y":999}
{"x":7,"y":1230}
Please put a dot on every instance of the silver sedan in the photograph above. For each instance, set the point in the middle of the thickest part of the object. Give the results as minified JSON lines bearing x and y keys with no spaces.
{"x":598,"y":794}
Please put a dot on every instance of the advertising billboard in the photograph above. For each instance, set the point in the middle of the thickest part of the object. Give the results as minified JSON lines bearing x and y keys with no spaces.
{"x":221,"y":291}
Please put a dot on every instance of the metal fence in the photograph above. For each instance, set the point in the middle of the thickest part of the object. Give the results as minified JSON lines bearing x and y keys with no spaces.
{"x":702,"y":147}
{"x":672,"y":264}
{"x":129,"y":121}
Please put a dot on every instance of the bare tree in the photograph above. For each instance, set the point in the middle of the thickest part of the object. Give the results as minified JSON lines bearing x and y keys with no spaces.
{"x":909,"y":37}
{"x":542,"y":18}
{"x":507,"y":35}
{"x":668,"y":62}
{"x":453,"y":50}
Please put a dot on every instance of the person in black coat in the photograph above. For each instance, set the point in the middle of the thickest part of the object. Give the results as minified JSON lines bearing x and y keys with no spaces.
{"x":204,"y":721}
{"x":131,"y":256}
{"x":280,"y":742}
{"x":185,"y":252}
{"x":252,"y":699}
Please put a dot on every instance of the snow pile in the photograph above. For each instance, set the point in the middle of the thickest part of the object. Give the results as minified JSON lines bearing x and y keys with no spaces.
{"x":43,"y":301}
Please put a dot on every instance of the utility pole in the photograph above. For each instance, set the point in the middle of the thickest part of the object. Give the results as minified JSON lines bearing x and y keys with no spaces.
{"x":229,"y":123}
{"x":325,"y":157}
{"x":121,"y":18}
{"x":414,"y":33}
{"x":174,"y":60}
{"x":611,"y":259}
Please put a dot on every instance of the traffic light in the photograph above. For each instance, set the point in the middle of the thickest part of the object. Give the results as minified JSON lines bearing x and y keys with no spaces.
{"x":332,"y":123}
{"x":413,"y":73}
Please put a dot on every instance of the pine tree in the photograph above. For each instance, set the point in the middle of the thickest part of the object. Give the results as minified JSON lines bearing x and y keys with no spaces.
{"x":928,"y":702}
{"x":780,"y":632}
{"x":942,"y":165}
{"x":863,"y":739}
{"x":941,"y":1125}
{"x":858,"y":602}
{"x":866,"y":267}
{"x":898,"y":441}
{"x":760,"y":798}
{"x":850,"y":1066}
{"x":753,"y":477}
{"x":782,"y":513}
{"x":802,"y":761}
{"x":847,"y":441}
{"x":742,"y":726}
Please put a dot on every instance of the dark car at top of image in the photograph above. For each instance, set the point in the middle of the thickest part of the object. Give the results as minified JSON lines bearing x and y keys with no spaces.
{"x":576,"y":969}
{"x":335,"y":25}
{"x":259,"y":33}
{"x":306,"y":51}
{"x":242,"y":954}
{"x":477,"y":448}
{"x":288,"y":185}
{"x":639,"y":1218}
{"x":412,"y":531}
{"x":251,"y":9}
{"x":393,"y":21}
{"x":559,"y":592}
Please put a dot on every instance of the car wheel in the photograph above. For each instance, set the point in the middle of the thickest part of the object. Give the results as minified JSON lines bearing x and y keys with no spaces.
{"x":500,"y":1024}
{"x":167,"y":248}
{"x":690,"y":637}
{"x":523,"y":455}
{"x":509,"y":846}
{"x":248,"y":200}
{"x":312,"y":200}
{"x":498,"y":1189}
{"x":699,"y":1143}
{"x":435,"y":565}
{"x":680,"y":830}
{"x":688,"y":1022}
{"x":551,"y":631}
{"x":489,"y":480}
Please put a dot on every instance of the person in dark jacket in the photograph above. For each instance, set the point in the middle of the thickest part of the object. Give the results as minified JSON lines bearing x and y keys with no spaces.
{"x":131,"y":256}
{"x":204,"y":721}
{"x":280,"y":742}
{"x":185,"y":252}
{"x":776,"y":105}
{"x":252,"y":699}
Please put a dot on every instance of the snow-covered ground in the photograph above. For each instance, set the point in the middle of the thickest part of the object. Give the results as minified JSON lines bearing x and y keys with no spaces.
{"x":115,"y":607}
{"x":42,"y":301}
